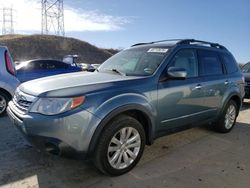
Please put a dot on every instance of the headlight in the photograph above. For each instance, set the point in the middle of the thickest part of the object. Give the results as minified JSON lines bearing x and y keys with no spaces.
{"x":53,"y":106}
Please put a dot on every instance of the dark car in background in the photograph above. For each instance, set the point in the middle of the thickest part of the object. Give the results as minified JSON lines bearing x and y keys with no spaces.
{"x":33,"y":69}
{"x":246,"y":72}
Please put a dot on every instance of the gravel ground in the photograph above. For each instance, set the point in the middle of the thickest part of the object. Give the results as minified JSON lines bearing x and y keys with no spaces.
{"x":197,"y":157}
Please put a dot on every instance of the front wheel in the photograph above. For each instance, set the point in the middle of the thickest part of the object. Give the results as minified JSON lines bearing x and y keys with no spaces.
{"x":120,"y":146}
{"x":228,"y":118}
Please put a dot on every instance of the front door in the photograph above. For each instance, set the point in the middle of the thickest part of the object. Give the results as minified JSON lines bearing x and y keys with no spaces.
{"x":181,"y":102}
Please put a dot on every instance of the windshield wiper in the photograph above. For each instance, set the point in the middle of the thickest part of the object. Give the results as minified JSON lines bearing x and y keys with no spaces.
{"x":116,"y":71}
{"x":119,"y":72}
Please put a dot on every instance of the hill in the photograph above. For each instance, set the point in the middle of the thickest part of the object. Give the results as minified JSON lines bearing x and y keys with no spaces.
{"x":26,"y":47}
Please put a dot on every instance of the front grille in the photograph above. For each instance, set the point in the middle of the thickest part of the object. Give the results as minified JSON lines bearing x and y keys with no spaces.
{"x":22,"y":101}
{"x":22,"y":105}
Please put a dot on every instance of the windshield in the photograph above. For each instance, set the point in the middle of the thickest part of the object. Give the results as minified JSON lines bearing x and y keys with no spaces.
{"x":135,"y":61}
{"x":246,"y":68}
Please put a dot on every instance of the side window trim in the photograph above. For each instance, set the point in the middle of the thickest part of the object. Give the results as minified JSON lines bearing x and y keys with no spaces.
{"x":224,"y":68}
{"x":60,"y":65}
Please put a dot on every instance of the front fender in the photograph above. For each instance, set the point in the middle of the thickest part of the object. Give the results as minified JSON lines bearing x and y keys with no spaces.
{"x":132,"y":99}
{"x":119,"y":104}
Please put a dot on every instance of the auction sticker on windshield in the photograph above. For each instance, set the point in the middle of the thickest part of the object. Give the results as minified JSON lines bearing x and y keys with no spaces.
{"x":158,"y":50}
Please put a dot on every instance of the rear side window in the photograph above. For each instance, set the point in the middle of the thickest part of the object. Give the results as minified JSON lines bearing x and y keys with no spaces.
{"x":209,"y":63}
{"x":33,"y":66}
{"x":50,"y":65}
{"x":56,"y":65}
{"x":229,"y":62}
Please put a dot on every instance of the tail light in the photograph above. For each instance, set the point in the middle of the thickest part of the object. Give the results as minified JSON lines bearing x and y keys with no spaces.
{"x":9,"y":66}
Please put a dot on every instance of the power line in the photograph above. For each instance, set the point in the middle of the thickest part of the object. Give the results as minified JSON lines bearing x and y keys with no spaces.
{"x":8,"y":23}
{"x":52,"y":17}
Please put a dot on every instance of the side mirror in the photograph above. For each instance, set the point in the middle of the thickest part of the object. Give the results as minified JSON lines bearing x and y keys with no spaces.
{"x":177,"y":73}
{"x":148,"y":70}
{"x":174,"y":73}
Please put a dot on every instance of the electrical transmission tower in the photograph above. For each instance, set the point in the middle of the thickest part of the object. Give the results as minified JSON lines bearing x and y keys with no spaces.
{"x":52,"y":17}
{"x":8,"y":26}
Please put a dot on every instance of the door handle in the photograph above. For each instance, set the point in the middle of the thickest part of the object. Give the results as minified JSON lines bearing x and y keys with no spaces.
{"x":199,"y":86}
{"x":226,"y":82}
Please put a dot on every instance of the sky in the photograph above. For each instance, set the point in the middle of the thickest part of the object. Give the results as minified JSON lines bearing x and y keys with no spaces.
{"x":120,"y":23}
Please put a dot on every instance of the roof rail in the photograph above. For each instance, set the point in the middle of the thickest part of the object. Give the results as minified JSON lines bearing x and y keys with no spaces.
{"x":189,"y":41}
{"x":159,"y":41}
{"x":184,"y":41}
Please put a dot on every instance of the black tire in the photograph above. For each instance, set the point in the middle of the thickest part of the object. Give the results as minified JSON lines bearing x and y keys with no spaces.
{"x":3,"y":98}
{"x":221,"y":126}
{"x":100,"y":157}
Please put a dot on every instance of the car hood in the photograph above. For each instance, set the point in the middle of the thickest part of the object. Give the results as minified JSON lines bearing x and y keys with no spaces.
{"x":72,"y":84}
{"x":247,"y":76}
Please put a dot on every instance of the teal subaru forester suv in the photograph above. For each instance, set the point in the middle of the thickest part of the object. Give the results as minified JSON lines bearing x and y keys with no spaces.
{"x":136,"y":96}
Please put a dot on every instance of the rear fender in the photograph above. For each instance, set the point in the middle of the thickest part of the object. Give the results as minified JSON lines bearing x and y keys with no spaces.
{"x":230,"y":93}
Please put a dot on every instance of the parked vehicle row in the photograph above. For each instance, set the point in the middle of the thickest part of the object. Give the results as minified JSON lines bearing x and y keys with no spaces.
{"x":33,"y":69}
{"x":135,"y":97}
{"x":89,"y":67}
{"x":12,"y":75}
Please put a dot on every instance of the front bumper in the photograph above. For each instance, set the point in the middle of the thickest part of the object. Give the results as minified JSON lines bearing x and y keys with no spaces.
{"x":68,"y":132}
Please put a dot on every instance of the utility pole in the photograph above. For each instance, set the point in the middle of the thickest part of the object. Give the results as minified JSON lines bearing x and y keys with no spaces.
{"x":8,"y":26}
{"x":52,"y":17}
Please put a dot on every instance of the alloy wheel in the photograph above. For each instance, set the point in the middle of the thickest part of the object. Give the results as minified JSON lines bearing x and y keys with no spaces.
{"x":3,"y":104}
{"x":230,"y":116}
{"x":124,"y":148}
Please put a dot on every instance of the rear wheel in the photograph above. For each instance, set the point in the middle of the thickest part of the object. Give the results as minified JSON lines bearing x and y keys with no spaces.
{"x":3,"y":103}
{"x":120,"y":146}
{"x":227,"y":119}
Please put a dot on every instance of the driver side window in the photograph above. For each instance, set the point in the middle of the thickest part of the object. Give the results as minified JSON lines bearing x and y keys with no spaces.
{"x":186,"y":59}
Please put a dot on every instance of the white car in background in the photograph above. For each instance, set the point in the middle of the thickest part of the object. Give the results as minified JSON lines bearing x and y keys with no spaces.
{"x":8,"y":80}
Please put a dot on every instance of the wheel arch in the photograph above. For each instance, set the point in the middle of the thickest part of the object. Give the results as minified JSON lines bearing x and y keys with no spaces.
{"x":136,"y":111}
{"x":236,"y":98}
{"x":6,"y":93}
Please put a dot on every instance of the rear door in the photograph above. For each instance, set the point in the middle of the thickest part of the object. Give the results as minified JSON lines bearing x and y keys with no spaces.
{"x":214,"y":79}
